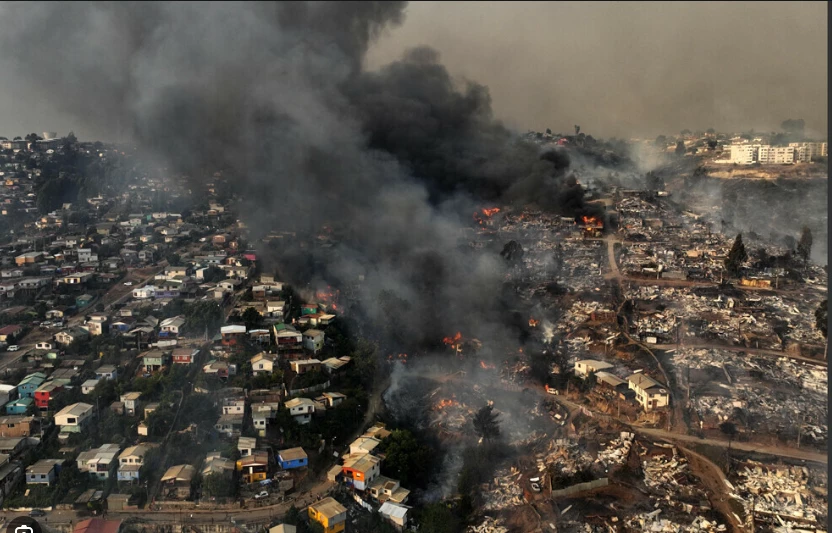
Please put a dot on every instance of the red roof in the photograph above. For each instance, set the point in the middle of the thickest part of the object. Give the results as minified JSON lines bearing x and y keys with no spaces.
{"x":10,"y":330}
{"x":98,"y":525}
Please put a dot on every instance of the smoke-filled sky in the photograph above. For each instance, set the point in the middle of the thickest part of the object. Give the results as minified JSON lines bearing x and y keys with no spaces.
{"x":631,"y":68}
{"x":616,"y":68}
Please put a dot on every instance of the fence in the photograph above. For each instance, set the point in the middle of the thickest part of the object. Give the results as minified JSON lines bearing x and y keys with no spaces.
{"x":314,"y":388}
{"x":580,"y":487}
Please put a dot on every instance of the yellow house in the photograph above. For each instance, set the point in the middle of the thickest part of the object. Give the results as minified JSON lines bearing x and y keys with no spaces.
{"x":254,"y":467}
{"x":330,"y":514}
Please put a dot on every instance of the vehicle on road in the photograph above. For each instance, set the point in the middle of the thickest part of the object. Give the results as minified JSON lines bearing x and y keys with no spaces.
{"x":128,"y":283}
{"x":260,"y":495}
{"x":37,"y":512}
{"x":13,"y":348}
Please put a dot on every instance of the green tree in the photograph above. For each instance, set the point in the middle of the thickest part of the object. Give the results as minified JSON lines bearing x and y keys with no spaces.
{"x":438,"y":518}
{"x":406,"y":459}
{"x":661,"y":141}
{"x":217,"y":485}
{"x":710,"y":131}
{"x":174,"y":259}
{"x":486,"y":424}
{"x":804,"y":245}
{"x":252,"y":318}
{"x":821,"y":317}
{"x":736,"y":257}
{"x":685,"y":132}
{"x":680,"y":148}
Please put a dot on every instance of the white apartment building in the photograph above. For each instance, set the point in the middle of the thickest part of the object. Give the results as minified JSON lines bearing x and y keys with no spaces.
{"x":744,"y":154}
{"x":804,"y":152}
{"x":775,"y":155}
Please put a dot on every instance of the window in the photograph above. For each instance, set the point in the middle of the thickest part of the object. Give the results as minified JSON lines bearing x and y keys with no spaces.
{"x":71,"y":420}
{"x":43,"y":476}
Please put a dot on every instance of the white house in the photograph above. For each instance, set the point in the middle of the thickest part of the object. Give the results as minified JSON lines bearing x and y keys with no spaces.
{"x":144,"y":293}
{"x":172,"y":325}
{"x":585,"y":367}
{"x":74,"y":418}
{"x":88,"y":386}
{"x":262,"y":363}
{"x":313,"y":340}
{"x":130,"y":462}
{"x":98,"y":462}
{"x":650,"y":394}
{"x":301,"y":409}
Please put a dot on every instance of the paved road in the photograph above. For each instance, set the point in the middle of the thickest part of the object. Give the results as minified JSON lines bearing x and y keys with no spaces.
{"x":758,"y":351}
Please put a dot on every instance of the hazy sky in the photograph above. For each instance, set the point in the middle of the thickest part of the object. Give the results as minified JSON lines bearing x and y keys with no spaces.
{"x":622,"y":68}
{"x":617,"y":69}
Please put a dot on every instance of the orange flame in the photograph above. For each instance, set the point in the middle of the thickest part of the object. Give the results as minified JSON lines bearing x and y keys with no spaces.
{"x":547,"y":387}
{"x":450,"y":341}
{"x":592,"y":222}
{"x":533,"y":323}
{"x":447,"y":402}
{"x":491,"y":212}
{"x":485,"y":365}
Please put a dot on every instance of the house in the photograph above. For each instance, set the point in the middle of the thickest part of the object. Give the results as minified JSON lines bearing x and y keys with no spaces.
{"x":229,"y":425}
{"x":650,"y":394}
{"x":359,"y":471}
{"x":313,"y":340}
{"x":19,"y":426}
{"x":177,"y":481}
{"x":605,"y":379}
{"x":28,"y":385}
{"x":283,"y":528}
{"x":301,"y":409}
{"x":292,"y":458}
{"x":262,"y":363}
{"x":260,"y":336}
{"x":254,"y":467}
{"x":21,"y":406}
{"x":44,"y":472}
{"x":234,"y":406}
{"x":9,"y":333}
{"x":46,"y":393}
{"x":246,"y":445}
{"x":57,"y":312}
{"x":99,"y":462}
{"x":7,"y":393}
{"x":10,"y":474}
{"x":333,"y":399}
{"x":232,"y":335}
{"x":330,"y":514}
{"x":144,"y":293}
{"x":106,"y":372}
{"x":154,"y":360}
{"x":184,"y":356}
{"x":384,"y":489}
{"x":585,"y":367}
{"x":174,"y":271}
{"x":131,"y":460}
{"x":28,"y":258}
{"x":84,"y":300}
{"x":363,"y":445}
{"x":44,"y":345}
{"x":131,"y":402}
{"x":262,"y":415}
{"x":287,"y":337}
{"x":221,"y":369}
{"x":149,"y":408}
{"x":171,"y":326}
{"x":334,"y":364}
{"x":74,"y":418}
{"x":395,"y":514}
{"x":305,"y":365}
{"x":215,"y":463}
{"x":88,"y":386}
{"x":275,"y":309}
{"x":98,"y":525}
{"x":67,"y":337}
{"x":74,"y":278}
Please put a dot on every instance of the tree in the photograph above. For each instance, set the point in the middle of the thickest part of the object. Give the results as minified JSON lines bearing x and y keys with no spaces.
{"x":736,"y":257}
{"x":548,"y":131}
{"x":685,"y":132}
{"x":661,"y":141}
{"x":821,"y":317}
{"x":804,"y":245}
{"x":174,"y":259}
{"x":486,"y":424}
{"x":406,"y":459}
{"x":577,"y":129}
{"x":710,"y":131}
{"x":793,"y":126}
{"x":438,"y":518}
{"x":729,"y":429}
{"x":680,"y":148}
{"x":252,"y":318}
{"x":216,"y":485}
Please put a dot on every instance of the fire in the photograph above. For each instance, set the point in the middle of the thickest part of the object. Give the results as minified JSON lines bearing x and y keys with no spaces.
{"x":491,"y":212}
{"x":451,"y":341}
{"x":592,"y":222}
{"x":485,"y":365}
{"x":533,"y":323}
{"x":547,"y":387}
{"x":447,"y":402}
